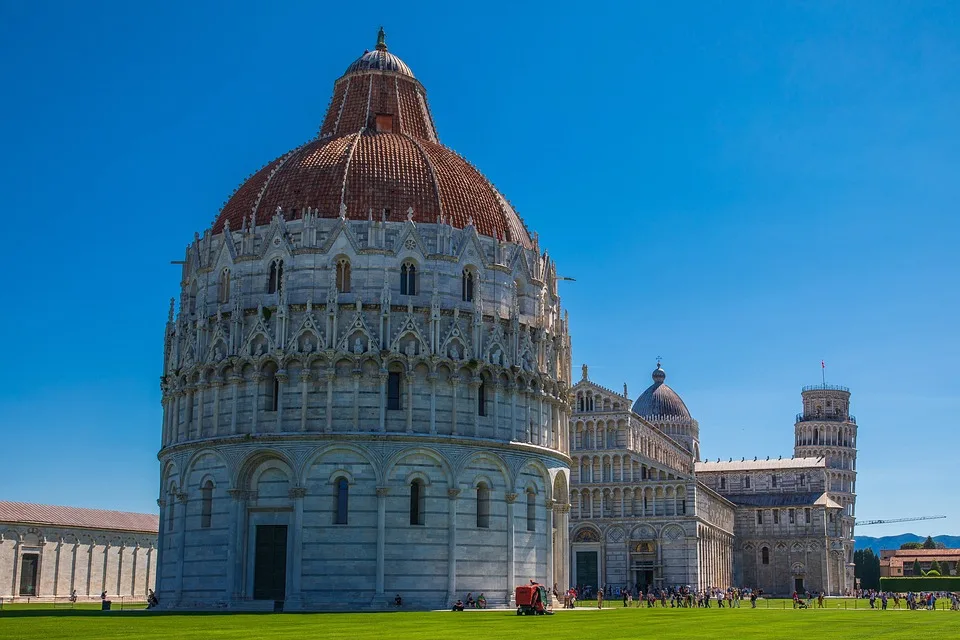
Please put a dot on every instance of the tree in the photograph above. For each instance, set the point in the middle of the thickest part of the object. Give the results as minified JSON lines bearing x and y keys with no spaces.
{"x":929,"y":543}
{"x":912,"y":545}
{"x":935,"y":566}
{"x":917,"y":571}
{"x":867,"y":568}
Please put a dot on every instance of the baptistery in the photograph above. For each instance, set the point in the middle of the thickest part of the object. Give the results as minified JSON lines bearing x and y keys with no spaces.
{"x":365,"y":382}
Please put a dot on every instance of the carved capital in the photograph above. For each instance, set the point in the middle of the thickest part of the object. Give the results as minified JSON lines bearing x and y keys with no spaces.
{"x":383,"y":491}
{"x":161,"y":503}
{"x":297,"y":492}
{"x":182,"y":497}
{"x":305,"y":376}
{"x":453,"y":494}
{"x":511,"y":498}
{"x":238,"y":494}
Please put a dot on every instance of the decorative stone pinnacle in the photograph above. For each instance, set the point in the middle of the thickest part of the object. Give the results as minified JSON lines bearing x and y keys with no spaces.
{"x":381,"y":40}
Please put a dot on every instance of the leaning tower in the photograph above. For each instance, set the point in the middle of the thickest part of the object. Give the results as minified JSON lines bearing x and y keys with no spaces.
{"x":826,"y":429}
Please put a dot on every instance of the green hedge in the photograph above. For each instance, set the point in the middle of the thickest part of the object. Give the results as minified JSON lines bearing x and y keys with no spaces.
{"x":902,"y":585}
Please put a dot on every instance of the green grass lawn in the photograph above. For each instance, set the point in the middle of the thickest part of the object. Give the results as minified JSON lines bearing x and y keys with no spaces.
{"x":26,"y":622}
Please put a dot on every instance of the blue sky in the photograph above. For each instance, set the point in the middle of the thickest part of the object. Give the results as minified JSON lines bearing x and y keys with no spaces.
{"x":744,"y":189}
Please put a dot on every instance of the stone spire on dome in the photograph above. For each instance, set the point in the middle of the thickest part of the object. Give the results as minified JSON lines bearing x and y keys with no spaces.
{"x":381,"y":40}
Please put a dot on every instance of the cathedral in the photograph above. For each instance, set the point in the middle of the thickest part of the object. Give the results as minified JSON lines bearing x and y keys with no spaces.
{"x":367,"y":391}
{"x":647,"y":512}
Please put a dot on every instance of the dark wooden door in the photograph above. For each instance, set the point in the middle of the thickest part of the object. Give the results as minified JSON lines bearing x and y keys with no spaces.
{"x":29,"y":565}
{"x":270,"y":563}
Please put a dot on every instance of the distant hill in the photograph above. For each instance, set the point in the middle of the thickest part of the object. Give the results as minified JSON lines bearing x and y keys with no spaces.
{"x":894,"y":542}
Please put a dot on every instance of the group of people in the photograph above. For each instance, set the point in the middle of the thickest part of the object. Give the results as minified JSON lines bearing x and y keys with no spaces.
{"x":805,"y":600}
{"x":913,"y":601}
{"x":674,"y":597}
{"x":479,"y":603}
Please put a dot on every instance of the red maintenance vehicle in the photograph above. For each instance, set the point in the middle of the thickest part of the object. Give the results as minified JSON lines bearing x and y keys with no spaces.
{"x":531,"y":599}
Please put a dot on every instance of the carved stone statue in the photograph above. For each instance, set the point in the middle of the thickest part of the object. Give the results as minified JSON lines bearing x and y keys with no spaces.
{"x":217,"y":354}
{"x":411,"y":349}
{"x":307,"y":345}
{"x":495,"y":357}
{"x":259,"y":351}
{"x":358,"y":346}
{"x":454,"y":353}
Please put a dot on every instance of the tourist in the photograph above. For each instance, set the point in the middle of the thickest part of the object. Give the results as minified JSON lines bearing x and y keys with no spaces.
{"x":398,"y":601}
{"x":481,"y":601}
{"x":753,"y":599}
{"x":600,"y":598}
{"x":470,"y":601}
{"x":73,"y":596}
{"x":458,"y":605}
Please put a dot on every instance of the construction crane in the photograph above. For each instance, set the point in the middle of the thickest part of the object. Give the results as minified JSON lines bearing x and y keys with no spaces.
{"x":864,"y":523}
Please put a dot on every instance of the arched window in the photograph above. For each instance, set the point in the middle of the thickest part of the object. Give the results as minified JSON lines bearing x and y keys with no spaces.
{"x":482,"y":399}
{"x":340,"y":503}
{"x":723,"y":482}
{"x":803,"y":479}
{"x":483,"y":506}
{"x":408,"y":279}
{"x":276,"y":276}
{"x":343,"y":275}
{"x":206,"y":504}
{"x":765,"y":555}
{"x":223,"y":291}
{"x":467,"y":285}
{"x":531,"y":510}
{"x":417,"y":502}
{"x":746,"y":482}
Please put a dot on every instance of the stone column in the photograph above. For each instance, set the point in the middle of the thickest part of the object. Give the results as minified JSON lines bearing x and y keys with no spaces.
{"x":282,"y":379}
{"x":296,"y":573}
{"x":356,"y":398}
{"x":452,"y":494}
{"x":383,"y":399}
{"x":497,"y":387}
{"x":257,"y":378}
{"x":150,"y":554}
{"x":200,"y":407}
{"x":73,"y":565}
{"x":382,"y":493}
{"x":304,"y":390}
{"x":475,"y":398}
{"x":330,"y":377}
{"x":56,"y":568}
{"x":432,"y":377}
{"x":541,"y":424}
{"x":513,"y":411}
{"x":235,"y":391}
{"x":120,"y":568}
{"x":550,"y":559}
{"x":454,"y":383}
{"x":181,"y":543}
{"x":235,"y":534}
{"x":178,"y":435}
{"x":411,"y":380}
{"x":511,"y":550}
{"x":216,"y":383}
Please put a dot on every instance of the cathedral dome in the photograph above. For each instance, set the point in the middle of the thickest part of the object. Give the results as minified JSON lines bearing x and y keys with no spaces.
{"x":377,"y":157}
{"x":659,"y":400}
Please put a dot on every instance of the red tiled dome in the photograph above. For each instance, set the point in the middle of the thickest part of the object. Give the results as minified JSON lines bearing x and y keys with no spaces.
{"x":377,"y":153}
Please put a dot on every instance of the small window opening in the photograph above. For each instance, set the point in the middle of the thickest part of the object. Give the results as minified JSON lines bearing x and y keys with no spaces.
{"x":483,"y":506}
{"x":276,"y":276}
{"x":482,"y":399}
{"x":393,"y":390}
{"x":342,"y":497}
{"x":417,"y":502}
{"x":206,"y":505}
